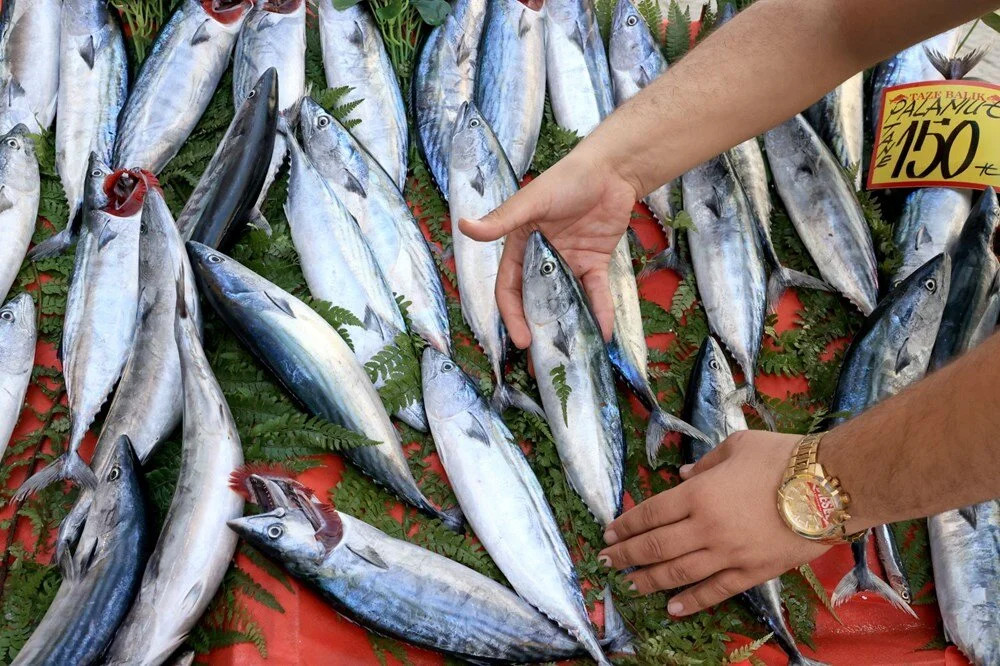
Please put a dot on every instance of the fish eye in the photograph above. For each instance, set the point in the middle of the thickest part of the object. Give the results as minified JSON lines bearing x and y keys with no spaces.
{"x":323,"y":121}
{"x":12,"y":142}
{"x":930,"y":284}
{"x":275,"y":530}
{"x":548,"y":267}
{"x":714,"y":364}
{"x":447,"y":366}
{"x":251,"y":94}
{"x":475,"y":122}
{"x":96,"y":173}
{"x":114,"y":474}
{"x":142,"y":227}
{"x":214,"y":259}
{"x":631,"y":20}
{"x":6,"y":315}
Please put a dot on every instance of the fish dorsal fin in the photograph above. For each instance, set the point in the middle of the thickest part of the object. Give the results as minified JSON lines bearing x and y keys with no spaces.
{"x":477,"y":430}
{"x":108,"y":234}
{"x":6,"y":203}
{"x":903,"y":357}
{"x":563,"y":340}
{"x":201,"y":34}
{"x":369,"y":555}
{"x":923,"y":237}
{"x":87,"y":51}
{"x":478,"y":181}
{"x":280,"y":303}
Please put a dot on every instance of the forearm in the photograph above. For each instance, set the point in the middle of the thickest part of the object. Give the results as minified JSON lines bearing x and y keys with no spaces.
{"x":770,"y":62}
{"x":933,"y":447}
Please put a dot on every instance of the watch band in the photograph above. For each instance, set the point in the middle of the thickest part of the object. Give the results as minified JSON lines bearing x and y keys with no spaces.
{"x":806,"y":452}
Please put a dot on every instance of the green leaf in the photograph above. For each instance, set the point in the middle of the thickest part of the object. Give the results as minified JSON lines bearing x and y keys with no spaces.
{"x":992,"y":20}
{"x":563,"y":390}
{"x":433,"y":12}
{"x":344,"y":4}
{"x":391,"y":11}
{"x":743,"y":653}
{"x":678,"y":32}
{"x":819,"y":590}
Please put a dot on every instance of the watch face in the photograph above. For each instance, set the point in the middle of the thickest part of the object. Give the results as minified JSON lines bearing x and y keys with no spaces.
{"x":809,"y":506}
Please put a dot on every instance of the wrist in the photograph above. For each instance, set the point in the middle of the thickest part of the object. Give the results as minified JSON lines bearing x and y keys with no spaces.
{"x":616,"y":159}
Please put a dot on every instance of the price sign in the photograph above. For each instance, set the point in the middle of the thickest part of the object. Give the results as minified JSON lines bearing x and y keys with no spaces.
{"x":938,"y":134}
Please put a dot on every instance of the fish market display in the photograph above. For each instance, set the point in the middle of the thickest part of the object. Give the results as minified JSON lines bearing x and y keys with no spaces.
{"x":273,"y":35}
{"x":891,"y":351}
{"x":93,"y":69}
{"x":708,"y":407}
{"x":29,"y":63}
{"x":314,"y":363}
{"x":226,"y":195}
{"x":17,"y":357}
{"x":510,"y":83}
{"x":930,"y":224}
{"x":481,"y":179}
{"x":839,"y":119}
{"x":101,"y":578}
{"x":394,"y":587}
{"x":177,"y":81}
{"x":501,"y":498}
{"x":824,"y":210}
{"x":386,"y":221}
{"x":194,"y":548}
{"x":354,"y":55}
{"x":444,"y":78}
{"x":20,"y":190}
{"x":568,"y":353}
{"x":340,"y":269}
{"x":100,"y":314}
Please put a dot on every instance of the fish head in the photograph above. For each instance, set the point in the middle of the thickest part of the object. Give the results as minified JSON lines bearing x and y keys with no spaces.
{"x":222,"y":279}
{"x":549,"y":286}
{"x":707,"y":401}
{"x":326,"y":140}
{"x":631,"y":42}
{"x":227,"y":12}
{"x":98,"y":172}
{"x":280,"y":6}
{"x":18,"y":164}
{"x":17,"y":334}
{"x":475,"y":150}
{"x":120,"y":484}
{"x":448,"y":391}
{"x":260,"y":105}
{"x":285,"y":535}
{"x":125,"y":191}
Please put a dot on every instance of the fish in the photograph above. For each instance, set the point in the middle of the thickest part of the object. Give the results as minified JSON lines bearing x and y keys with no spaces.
{"x":314,"y":363}
{"x":29,"y":63}
{"x":177,"y":81}
{"x":273,"y":35}
{"x":568,"y":353}
{"x":510,"y":83}
{"x":340,"y":268}
{"x":194,"y":548}
{"x":708,"y":407}
{"x":974,"y":298}
{"x":17,"y":359}
{"x":501,"y":497}
{"x":444,"y":78}
{"x":824,"y":210}
{"x":910,"y":66}
{"x":481,"y":178}
{"x":636,"y":61}
{"x":931,"y":221}
{"x":100,"y":316}
{"x":93,"y":70}
{"x":20,"y":192}
{"x":227,"y":192}
{"x":839,"y":119}
{"x":385,"y":219}
{"x":396,"y":588}
{"x":354,"y":55}
{"x":891,"y":351}
{"x":101,"y":578}
{"x":887,"y":549}
{"x":576,"y":66}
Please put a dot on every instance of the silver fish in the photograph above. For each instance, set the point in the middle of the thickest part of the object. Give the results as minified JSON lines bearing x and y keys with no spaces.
{"x":824,"y":209}
{"x":315,"y":364}
{"x":100,"y":316}
{"x":576,"y":66}
{"x":501,"y":497}
{"x":510,"y":83}
{"x":910,"y":66}
{"x":887,"y":549}
{"x":340,"y":268}
{"x":194,"y":548}
{"x":354,"y":55}
{"x":708,"y":407}
{"x":29,"y":63}
{"x":930,"y":224}
{"x":839,"y":119}
{"x":567,"y":350}
{"x":20,"y":191}
{"x":17,"y":358}
{"x":386,"y":221}
{"x":481,"y":179}
{"x":273,"y":35}
{"x":445,"y":78}
{"x":177,"y":81}
{"x":93,"y":69}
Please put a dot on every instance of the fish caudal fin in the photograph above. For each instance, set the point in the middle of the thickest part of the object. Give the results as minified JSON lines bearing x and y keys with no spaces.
{"x":783,"y":279}
{"x":452,"y":518}
{"x":54,"y":246}
{"x":747,"y":395}
{"x":67,"y":467}
{"x":259,"y":222}
{"x":617,"y":638}
{"x":413,"y":415}
{"x":861,"y":579}
{"x":669,"y":258}
{"x":506,"y":396}
{"x":660,"y":423}
{"x":802,"y":660}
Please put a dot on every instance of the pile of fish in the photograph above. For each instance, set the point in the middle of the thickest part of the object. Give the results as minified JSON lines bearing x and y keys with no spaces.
{"x":132,"y":336}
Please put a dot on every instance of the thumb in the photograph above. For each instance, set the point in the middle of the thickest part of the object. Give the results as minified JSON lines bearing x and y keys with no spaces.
{"x":705,"y":463}
{"x":525,"y":206}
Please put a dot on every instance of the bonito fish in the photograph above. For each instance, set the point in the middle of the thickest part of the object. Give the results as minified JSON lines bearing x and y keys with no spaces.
{"x":910,"y":66}
{"x":839,"y":119}
{"x":354,"y":55}
{"x":177,"y":81}
{"x":386,"y":221}
{"x":315,"y":364}
{"x":444,"y":79}
{"x":194,"y":548}
{"x":29,"y":63}
{"x":20,"y":191}
{"x":17,"y":358}
{"x":501,"y":497}
{"x":481,"y":179}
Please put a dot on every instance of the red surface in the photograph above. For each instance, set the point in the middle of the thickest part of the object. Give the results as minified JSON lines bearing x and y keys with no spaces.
{"x":310,"y":632}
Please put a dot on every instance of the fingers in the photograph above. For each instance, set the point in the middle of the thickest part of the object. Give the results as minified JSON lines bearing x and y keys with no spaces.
{"x":709,"y":592}
{"x":676,"y":573}
{"x":707,"y":462}
{"x":508,"y":290}
{"x":654,"y":547}
{"x":527,"y":205}
{"x":658,"y":511}
{"x":595,"y":281}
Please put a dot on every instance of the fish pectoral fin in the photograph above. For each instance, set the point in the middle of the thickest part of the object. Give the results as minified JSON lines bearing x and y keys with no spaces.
{"x":369,"y":555}
{"x":259,"y":222}
{"x":478,"y":431}
{"x":969,"y":513}
{"x":87,"y":51}
{"x":6,"y":203}
{"x":563,"y":339}
{"x":280,"y":303}
{"x":478,"y":181}
{"x":923,"y":237}
{"x":67,"y":567}
{"x":357,"y":36}
{"x":903,"y":358}
{"x":201,"y":34}
{"x":352,"y":184}
{"x":107,"y":235}
{"x":523,"y":26}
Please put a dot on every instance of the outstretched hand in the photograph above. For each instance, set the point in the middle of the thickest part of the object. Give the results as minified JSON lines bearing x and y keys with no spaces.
{"x":583,"y":208}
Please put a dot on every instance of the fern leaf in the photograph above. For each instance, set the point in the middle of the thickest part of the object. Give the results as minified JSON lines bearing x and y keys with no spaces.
{"x":563,"y":390}
{"x":743,"y":653}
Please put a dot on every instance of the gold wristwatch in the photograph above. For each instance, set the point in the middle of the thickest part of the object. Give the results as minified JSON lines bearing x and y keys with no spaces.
{"x":811,"y":502}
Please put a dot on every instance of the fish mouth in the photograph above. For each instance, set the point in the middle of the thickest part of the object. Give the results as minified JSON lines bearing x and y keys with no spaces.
{"x":281,"y":6}
{"x":126,"y":191}
{"x":226,"y":12}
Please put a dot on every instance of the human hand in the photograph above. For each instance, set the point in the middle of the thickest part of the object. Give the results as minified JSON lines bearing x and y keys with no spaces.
{"x":583,"y":207}
{"x":719,"y":530}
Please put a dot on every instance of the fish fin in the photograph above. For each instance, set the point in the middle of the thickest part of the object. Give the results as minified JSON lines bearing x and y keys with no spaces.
{"x":6,"y":203}
{"x":445,"y":254}
{"x":523,"y":26}
{"x":452,"y":518}
{"x":478,"y":182}
{"x":802,"y":660}
{"x":69,"y":467}
{"x":783,"y":278}
{"x":859,"y":579}
{"x":903,"y":356}
{"x":577,"y":37}
{"x":746,"y":395}
{"x":72,"y":526}
{"x":369,"y":555}
{"x":183,"y":657}
{"x":259,"y":222}
{"x":617,"y":638}
{"x":53,"y":246}
{"x":668,"y":258}
{"x":87,"y":52}
{"x":506,"y":396}
{"x":970,"y":515}
{"x":107,"y":235}
{"x":923,"y":236}
{"x":563,"y":339}
{"x":357,"y":36}
{"x":352,"y":184}
{"x":374,"y":323}
{"x":478,"y":431}
{"x":957,"y":67}
{"x":660,"y":423}
{"x":280,"y":303}
{"x":201,"y":34}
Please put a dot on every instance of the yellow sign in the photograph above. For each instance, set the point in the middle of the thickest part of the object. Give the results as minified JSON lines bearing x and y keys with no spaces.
{"x":938,"y":134}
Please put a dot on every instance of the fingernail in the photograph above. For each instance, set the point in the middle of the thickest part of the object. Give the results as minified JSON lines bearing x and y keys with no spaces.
{"x":610,"y":537}
{"x":605,"y":561}
{"x":675,"y":608}
{"x":685,"y":469}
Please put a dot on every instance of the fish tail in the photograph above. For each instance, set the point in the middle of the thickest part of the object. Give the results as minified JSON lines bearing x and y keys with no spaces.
{"x":860,"y":579}
{"x":452,"y":518}
{"x":802,"y":660}
{"x":783,"y":278}
{"x":617,"y":638}
{"x":413,"y":415}
{"x":54,"y":246}
{"x":669,"y":258}
{"x":747,"y":395}
{"x":660,"y":423}
{"x":67,"y":467}
{"x":506,"y":396}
